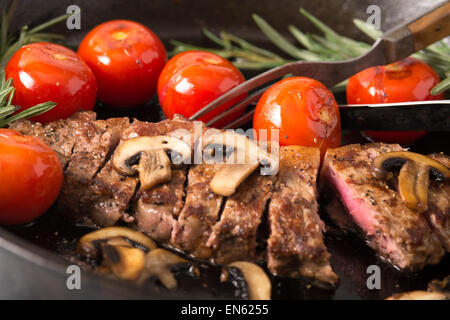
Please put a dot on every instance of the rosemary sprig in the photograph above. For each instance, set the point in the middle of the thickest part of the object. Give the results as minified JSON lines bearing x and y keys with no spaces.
{"x":329,"y":47}
{"x":7,"y":109}
{"x":9,"y":44}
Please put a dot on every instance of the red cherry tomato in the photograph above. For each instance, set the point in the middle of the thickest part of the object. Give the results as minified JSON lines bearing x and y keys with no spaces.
{"x":44,"y":72}
{"x":31,"y":177}
{"x":192,"y":79}
{"x":303,"y":110}
{"x":126,"y":58}
{"x":403,"y":81}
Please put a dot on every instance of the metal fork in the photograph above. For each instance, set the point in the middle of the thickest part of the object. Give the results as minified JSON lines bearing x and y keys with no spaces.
{"x":395,"y":45}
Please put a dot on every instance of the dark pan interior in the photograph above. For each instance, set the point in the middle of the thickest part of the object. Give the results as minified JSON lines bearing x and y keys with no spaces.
{"x":34,"y":258}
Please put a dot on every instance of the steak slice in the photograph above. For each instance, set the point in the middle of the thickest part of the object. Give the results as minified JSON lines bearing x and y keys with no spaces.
{"x":157,"y":209}
{"x":398,"y":234}
{"x":295,"y":246}
{"x":59,"y":135}
{"x":199,"y":214}
{"x":110,"y":193}
{"x":233,"y":237}
{"x":94,"y":142}
{"x":438,"y":213}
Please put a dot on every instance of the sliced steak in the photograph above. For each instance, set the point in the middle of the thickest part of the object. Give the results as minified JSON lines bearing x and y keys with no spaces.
{"x":95,"y":140}
{"x":60,"y":135}
{"x":295,"y":246}
{"x":398,"y":234}
{"x":110,"y":193}
{"x":199,"y":214}
{"x":157,"y":209}
{"x":438,"y":213}
{"x":234,"y":236}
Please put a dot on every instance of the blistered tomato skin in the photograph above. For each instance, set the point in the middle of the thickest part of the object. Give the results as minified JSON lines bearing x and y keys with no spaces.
{"x":403,"y":81}
{"x":303,"y":110}
{"x":193,"y":79}
{"x":31,"y":177}
{"x":126,"y":58}
{"x":44,"y":72}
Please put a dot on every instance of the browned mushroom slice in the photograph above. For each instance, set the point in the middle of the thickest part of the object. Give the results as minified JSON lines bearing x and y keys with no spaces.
{"x":89,"y":246}
{"x":258,"y":283}
{"x":154,"y":168}
{"x":242,"y":158}
{"x":158,"y":263}
{"x":125,"y":262}
{"x":418,"y":295}
{"x":150,"y":152}
{"x":414,"y":176}
{"x":228,"y":178}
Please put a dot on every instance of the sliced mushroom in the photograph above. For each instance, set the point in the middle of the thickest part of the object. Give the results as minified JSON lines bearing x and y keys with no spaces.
{"x":258,"y":283}
{"x":245,"y":157}
{"x":414,"y":177}
{"x":154,"y":164}
{"x":89,"y":246}
{"x":158,"y":263}
{"x":154,"y":168}
{"x":418,"y":295}
{"x":441,"y":286}
{"x":125,"y":262}
{"x":228,"y":178}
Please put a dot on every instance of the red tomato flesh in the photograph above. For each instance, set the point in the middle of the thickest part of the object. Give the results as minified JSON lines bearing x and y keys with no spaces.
{"x":193,"y":79}
{"x":403,"y":81}
{"x":44,"y":72}
{"x":31,"y":177}
{"x":303,"y":110}
{"x":126,"y":58}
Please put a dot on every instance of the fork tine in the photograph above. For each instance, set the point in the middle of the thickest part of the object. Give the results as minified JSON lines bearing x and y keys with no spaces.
{"x":244,"y":87}
{"x":244,"y":119}
{"x":240,"y":105}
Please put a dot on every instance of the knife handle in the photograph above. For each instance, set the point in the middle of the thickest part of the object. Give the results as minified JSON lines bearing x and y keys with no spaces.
{"x":418,"y":34}
{"x":431,"y":27}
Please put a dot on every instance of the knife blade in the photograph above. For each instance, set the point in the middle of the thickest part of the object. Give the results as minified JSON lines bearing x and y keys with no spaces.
{"x":403,"y":116}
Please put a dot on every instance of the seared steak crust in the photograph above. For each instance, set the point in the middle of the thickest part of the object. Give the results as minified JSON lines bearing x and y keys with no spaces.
{"x":438,"y":213}
{"x":157,"y":209}
{"x":60,"y":135}
{"x":397,"y":233}
{"x":234,"y":236}
{"x":295,"y":246}
{"x":111,"y":192}
{"x":199,"y":214}
{"x":95,"y":140}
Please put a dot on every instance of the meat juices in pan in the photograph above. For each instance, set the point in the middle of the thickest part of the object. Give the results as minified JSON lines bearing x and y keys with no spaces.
{"x":398,"y":234}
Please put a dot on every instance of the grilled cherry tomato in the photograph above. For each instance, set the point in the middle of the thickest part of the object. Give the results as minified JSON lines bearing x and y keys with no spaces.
{"x":126,"y":58}
{"x":403,"y":81}
{"x":31,"y":177}
{"x":303,"y":110}
{"x":44,"y":72}
{"x":191,"y":80}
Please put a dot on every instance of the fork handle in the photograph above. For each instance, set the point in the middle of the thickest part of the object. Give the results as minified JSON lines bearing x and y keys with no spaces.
{"x":418,"y":34}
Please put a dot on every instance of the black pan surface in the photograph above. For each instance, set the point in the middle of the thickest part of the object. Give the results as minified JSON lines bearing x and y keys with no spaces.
{"x":34,"y":258}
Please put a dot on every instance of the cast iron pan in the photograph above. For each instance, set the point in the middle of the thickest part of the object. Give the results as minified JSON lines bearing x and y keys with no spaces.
{"x":34,"y":258}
